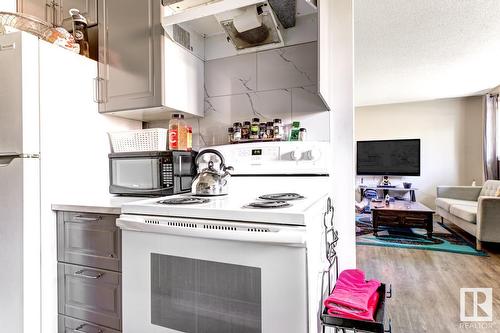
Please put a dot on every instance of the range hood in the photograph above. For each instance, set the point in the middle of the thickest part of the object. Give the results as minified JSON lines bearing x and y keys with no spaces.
{"x":249,"y":25}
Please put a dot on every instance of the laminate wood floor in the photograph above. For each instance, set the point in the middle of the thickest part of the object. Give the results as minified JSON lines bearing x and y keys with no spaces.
{"x":426,"y":286}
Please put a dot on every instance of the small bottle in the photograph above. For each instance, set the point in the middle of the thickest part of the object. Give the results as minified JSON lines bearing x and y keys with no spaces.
{"x":245,"y":130}
{"x":270,"y":130}
{"x":302,"y":134}
{"x":173,"y":132}
{"x":230,"y":134}
{"x":189,"y":138}
{"x":294,"y":135}
{"x":254,"y":129}
{"x":278,"y":129}
{"x":387,"y":199}
{"x":237,"y":131}
{"x":262,"y":131}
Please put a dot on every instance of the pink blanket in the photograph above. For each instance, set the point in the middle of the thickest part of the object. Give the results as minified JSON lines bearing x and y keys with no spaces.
{"x":353,"y":296}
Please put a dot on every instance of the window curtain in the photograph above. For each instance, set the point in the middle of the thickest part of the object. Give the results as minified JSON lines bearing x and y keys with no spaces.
{"x":491,"y":139}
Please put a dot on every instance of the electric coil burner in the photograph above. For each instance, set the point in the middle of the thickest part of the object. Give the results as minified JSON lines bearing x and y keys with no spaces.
{"x":269,"y":204}
{"x":183,"y":201}
{"x":282,"y":196}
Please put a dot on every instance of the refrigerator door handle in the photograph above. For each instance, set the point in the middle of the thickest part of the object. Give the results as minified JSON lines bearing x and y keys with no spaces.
{"x":7,"y":158}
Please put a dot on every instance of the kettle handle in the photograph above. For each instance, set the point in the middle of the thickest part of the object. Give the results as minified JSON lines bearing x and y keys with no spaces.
{"x":211,"y":151}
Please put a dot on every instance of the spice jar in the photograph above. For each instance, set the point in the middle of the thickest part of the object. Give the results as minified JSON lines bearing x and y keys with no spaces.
{"x":270,"y":130}
{"x":278,"y":129}
{"x":254,"y":129}
{"x":230,"y":134}
{"x":245,"y":130}
{"x":302,"y":134}
{"x":236,"y":132}
{"x":262,"y":131}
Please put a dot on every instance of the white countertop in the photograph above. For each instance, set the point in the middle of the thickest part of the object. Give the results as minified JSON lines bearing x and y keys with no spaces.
{"x":109,"y":205}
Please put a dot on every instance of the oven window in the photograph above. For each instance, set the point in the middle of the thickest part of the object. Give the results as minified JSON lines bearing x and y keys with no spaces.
{"x":135,"y":173}
{"x":199,"y":296}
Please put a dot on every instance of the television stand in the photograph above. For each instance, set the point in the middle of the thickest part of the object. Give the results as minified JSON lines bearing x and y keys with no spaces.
{"x":386,"y":191}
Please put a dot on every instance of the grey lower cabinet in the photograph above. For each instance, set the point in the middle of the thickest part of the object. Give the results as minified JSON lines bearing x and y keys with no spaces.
{"x":89,"y":272}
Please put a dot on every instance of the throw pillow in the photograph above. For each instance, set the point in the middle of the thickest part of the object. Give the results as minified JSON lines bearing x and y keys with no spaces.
{"x":498,"y":192}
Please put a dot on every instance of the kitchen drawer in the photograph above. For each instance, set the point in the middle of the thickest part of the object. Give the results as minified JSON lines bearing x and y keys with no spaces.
{"x":72,"y":325}
{"x":89,"y":240}
{"x":90,"y":294}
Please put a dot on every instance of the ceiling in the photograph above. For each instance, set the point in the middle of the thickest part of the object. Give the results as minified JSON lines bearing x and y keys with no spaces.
{"x":415,"y":50}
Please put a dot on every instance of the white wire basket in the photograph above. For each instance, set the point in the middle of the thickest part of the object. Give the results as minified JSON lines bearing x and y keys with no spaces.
{"x":153,"y":139}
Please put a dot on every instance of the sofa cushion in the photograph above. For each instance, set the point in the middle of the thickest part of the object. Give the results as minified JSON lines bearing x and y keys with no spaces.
{"x":465,"y":212}
{"x":490,"y":188}
{"x":445,"y":203}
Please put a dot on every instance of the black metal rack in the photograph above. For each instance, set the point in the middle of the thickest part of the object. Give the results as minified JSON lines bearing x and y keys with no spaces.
{"x":343,"y":324}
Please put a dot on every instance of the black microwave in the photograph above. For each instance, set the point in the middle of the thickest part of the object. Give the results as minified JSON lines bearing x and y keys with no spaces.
{"x":155,"y":173}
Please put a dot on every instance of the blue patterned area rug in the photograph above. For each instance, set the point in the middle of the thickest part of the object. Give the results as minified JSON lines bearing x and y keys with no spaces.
{"x":444,"y":239}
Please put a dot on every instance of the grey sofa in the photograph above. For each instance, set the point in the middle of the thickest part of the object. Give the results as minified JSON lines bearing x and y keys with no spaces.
{"x":474,"y":209}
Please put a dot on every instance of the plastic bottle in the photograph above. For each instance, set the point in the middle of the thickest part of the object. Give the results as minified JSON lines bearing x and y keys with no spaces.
{"x":173,"y":132}
{"x":182,"y":135}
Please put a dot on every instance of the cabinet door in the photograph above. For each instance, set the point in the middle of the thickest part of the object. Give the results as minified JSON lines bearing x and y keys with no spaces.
{"x":129,"y":54}
{"x":88,"y":8}
{"x":38,"y":8}
{"x":183,"y":79}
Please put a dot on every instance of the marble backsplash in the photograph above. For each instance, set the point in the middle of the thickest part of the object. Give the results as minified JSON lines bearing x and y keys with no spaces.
{"x":279,"y":83}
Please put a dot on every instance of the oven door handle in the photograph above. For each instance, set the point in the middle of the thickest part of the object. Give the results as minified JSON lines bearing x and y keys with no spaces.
{"x":288,"y":237}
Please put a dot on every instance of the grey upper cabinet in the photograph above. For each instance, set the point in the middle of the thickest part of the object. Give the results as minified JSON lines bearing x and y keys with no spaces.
{"x":37,"y":8}
{"x":57,"y":11}
{"x":87,"y":8}
{"x":129,"y":55}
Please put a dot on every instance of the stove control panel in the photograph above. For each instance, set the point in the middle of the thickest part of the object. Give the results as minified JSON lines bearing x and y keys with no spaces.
{"x":277,"y":157}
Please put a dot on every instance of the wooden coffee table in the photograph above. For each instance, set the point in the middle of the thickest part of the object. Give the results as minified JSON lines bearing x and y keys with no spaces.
{"x":401,"y":214}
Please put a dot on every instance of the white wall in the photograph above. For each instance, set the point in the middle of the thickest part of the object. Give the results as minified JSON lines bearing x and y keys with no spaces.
{"x":8,"y":6}
{"x":451,"y":134}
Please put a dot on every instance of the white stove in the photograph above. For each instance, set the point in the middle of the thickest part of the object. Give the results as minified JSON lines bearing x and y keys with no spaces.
{"x":250,"y":261}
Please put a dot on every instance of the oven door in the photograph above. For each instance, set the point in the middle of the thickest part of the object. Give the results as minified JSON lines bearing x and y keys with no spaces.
{"x":135,"y":176}
{"x":179,"y":278}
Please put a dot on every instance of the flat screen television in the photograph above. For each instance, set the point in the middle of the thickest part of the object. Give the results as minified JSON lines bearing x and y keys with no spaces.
{"x":388,"y":157}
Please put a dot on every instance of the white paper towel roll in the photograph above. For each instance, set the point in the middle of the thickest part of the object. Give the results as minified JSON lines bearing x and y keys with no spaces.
{"x":248,"y":20}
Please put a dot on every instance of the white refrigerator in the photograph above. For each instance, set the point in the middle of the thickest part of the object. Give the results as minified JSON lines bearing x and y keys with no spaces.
{"x":53,"y":146}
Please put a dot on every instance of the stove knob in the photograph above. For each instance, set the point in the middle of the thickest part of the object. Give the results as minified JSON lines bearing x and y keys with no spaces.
{"x":313,"y":154}
{"x":296,"y":155}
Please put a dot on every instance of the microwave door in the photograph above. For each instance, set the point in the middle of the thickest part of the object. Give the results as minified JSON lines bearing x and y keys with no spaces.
{"x":135,"y":175}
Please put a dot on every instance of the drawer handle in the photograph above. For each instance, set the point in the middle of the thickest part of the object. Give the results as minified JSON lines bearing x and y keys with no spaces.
{"x":88,"y":218}
{"x":89,"y":276}
{"x":79,"y":329}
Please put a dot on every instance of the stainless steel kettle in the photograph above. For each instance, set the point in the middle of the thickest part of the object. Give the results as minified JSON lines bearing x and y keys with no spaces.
{"x":211,"y":181}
